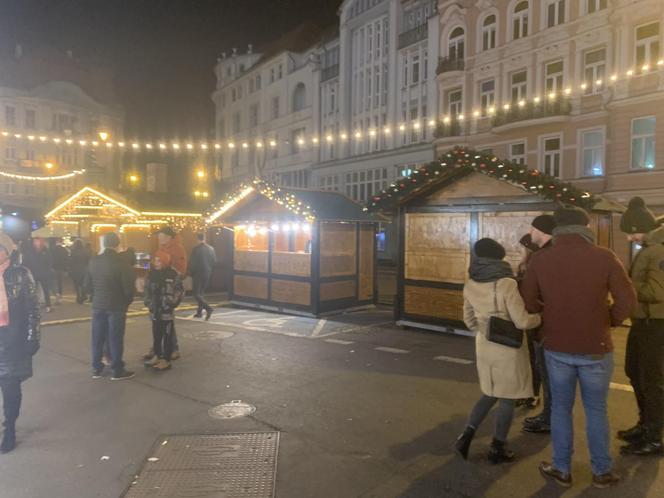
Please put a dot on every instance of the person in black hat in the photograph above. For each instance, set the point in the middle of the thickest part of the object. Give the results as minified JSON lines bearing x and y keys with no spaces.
{"x":504,"y":372}
{"x":541,"y":234}
{"x":644,"y":356}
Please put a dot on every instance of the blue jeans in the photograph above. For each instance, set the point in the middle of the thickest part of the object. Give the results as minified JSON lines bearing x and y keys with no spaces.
{"x":593,"y":373}
{"x":108,"y":326}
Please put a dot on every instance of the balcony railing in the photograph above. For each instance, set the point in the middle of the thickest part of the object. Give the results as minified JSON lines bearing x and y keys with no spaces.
{"x":329,"y":72}
{"x":451,"y":129}
{"x":447,"y":64}
{"x":414,"y":35}
{"x":561,"y":106}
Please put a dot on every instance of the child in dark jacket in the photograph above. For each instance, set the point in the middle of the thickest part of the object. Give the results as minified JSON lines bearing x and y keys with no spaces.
{"x":163,"y":293}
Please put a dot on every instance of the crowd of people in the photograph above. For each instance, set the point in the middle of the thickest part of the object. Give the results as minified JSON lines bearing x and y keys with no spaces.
{"x":109,"y":281}
{"x":549,"y":325}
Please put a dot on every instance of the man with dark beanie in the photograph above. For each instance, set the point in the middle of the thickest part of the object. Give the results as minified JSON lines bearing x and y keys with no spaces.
{"x":570,"y":284}
{"x":644,"y":357}
{"x":541,"y":233}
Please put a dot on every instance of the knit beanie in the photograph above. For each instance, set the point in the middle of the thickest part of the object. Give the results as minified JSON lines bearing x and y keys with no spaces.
{"x":571,"y":215}
{"x":489,"y":248}
{"x":544,"y":223}
{"x":7,"y":243}
{"x":638,"y":218}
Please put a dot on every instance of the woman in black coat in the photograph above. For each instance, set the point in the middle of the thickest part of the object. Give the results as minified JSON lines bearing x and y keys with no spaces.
{"x":19,"y":335}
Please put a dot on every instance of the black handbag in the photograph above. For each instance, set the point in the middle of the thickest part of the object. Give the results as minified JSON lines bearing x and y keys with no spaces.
{"x":503,"y":331}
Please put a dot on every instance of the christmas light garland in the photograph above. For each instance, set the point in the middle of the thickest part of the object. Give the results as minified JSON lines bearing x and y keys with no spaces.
{"x":285,"y":199}
{"x":175,"y":145}
{"x":463,"y":159}
{"x":14,"y":176}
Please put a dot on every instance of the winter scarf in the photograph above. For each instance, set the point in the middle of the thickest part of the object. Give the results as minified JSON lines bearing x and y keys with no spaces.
{"x":489,"y":269}
{"x":581,"y":230}
{"x":4,"y":304}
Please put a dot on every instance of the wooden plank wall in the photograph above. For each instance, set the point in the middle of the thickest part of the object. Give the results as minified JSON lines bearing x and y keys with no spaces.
{"x":366,"y":276}
{"x":292,"y":292}
{"x":244,"y":285}
{"x":250,"y":261}
{"x":431,"y":302}
{"x":337,"y":249}
{"x":289,"y":263}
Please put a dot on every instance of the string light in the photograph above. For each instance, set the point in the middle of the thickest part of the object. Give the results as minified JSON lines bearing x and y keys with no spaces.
{"x":14,"y":176}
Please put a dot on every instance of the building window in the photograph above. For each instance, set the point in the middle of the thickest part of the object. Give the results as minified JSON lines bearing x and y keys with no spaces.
{"x":647,"y":44}
{"x":329,"y":182}
{"x":333,"y":101}
{"x":595,"y":5}
{"x":520,"y":21}
{"x":553,"y":76}
{"x":455,"y":49}
{"x":258,"y":82}
{"x":594,"y":71}
{"x":519,"y":86}
{"x":297,"y":137}
{"x":592,"y":152}
{"x":551,"y":156}
{"x":272,"y":75}
{"x":251,"y":86}
{"x":487,"y":94}
{"x":236,"y":122}
{"x":30,"y":119}
{"x":455,"y":102}
{"x":10,"y":115}
{"x":489,"y":32}
{"x":555,"y":13}
{"x":362,"y":185}
{"x":299,"y":97}
{"x":10,"y":153}
{"x":280,"y":71}
{"x":30,"y":155}
{"x":518,"y":153}
{"x":643,"y":143}
{"x":274,"y":148}
{"x":416,"y":68}
{"x":234,"y":95}
{"x":275,"y":107}
{"x":253,"y":115}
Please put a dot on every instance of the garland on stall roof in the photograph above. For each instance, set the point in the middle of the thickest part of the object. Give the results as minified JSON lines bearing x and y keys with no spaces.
{"x":470,"y":160}
{"x":285,"y":199}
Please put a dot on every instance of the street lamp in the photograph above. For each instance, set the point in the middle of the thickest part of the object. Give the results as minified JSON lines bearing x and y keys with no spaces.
{"x":133,"y":179}
{"x":200,"y":173}
{"x":103,"y":135}
{"x":48,"y":165}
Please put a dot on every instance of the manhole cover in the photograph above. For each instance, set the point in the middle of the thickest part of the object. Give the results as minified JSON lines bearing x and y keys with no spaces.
{"x":234,"y":409}
{"x":236,"y":465}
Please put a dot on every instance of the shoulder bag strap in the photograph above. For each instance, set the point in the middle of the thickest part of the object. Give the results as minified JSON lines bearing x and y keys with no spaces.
{"x":495,"y":298}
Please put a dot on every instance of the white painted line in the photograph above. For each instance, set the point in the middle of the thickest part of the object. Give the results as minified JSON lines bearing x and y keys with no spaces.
{"x":319,"y":327}
{"x":391,"y":350}
{"x":621,"y":387}
{"x":338,"y":341}
{"x":451,"y":359}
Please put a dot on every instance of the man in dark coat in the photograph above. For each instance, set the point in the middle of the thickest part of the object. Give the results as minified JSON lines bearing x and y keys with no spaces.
{"x":201,"y":264}
{"x":19,"y":335}
{"x":113,"y":285}
{"x":60,"y":259}
{"x":37,"y":259}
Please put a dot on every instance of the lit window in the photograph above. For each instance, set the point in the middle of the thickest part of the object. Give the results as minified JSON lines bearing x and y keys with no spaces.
{"x":592,"y":152}
{"x":643,"y":143}
{"x":489,"y":32}
{"x":551,"y":156}
{"x":647,"y":44}
{"x":520,"y":21}
{"x":594,"y":71}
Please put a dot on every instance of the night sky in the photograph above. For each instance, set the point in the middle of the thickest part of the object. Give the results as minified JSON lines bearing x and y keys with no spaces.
{"x":162,"y":51}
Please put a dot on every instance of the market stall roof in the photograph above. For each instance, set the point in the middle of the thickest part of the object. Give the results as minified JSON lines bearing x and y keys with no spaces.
{"x":462,"y":161}
{"x":300,"y":203}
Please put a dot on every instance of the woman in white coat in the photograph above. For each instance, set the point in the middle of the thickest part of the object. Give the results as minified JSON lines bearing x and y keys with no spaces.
{"x":504,"y":372}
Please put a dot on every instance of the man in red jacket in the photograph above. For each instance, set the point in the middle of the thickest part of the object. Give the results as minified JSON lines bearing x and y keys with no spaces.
{"x":570,"y":284}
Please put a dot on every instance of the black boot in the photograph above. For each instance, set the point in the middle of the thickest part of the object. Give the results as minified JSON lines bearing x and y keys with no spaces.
{"x":498,"y":453}
{"x":650,"y":443}
{"x":8,"y":438}
{"x":633,"y":433}
{"x":462,"y":444}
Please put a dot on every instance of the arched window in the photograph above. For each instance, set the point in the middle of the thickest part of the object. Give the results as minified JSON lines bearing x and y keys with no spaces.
{"x":299,"y":97}
{"x":520,"y":20}
{"x":489,"y":32}
{"x":456,"y":44}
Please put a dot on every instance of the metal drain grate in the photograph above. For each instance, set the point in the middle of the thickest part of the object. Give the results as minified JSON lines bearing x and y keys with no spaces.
{"x":237,"y":465}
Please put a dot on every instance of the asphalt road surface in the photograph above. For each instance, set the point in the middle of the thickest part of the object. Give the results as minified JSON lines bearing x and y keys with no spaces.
{"x":363,"y":409}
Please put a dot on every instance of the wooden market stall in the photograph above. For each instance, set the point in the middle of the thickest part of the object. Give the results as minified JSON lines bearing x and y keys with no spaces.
{"x":90,"y":213}
{"x":298,"y":251}
{"x":443,"y":208}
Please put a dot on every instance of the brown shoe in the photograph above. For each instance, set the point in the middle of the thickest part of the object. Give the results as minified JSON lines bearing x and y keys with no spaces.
{"x":162,"y":365}
{"x":549,"y":471}
{"x":605,"y":480}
